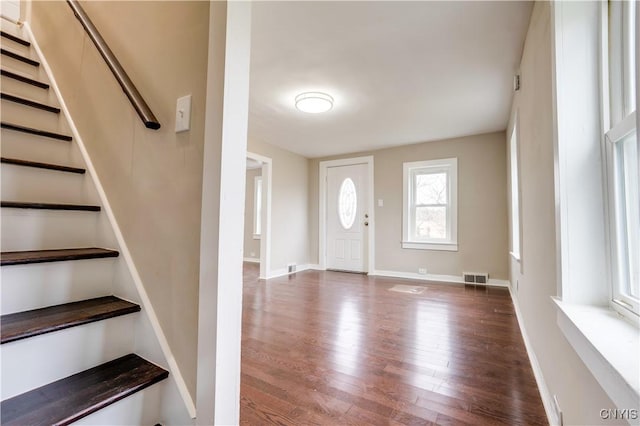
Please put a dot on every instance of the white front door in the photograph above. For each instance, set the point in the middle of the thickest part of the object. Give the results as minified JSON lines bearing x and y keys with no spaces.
{"x":347,"y":217}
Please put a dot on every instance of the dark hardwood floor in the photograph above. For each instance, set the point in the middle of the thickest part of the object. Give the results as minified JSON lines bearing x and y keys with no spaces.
{"x":334,"y":348}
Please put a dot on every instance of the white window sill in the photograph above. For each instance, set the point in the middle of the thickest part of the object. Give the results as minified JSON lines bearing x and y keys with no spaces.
{"x":256,"y":236}
{"x":430,"y":246}
{"x":608,"y":345}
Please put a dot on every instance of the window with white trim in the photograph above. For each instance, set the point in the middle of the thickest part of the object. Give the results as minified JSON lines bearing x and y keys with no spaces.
{"x":257,"y":207}
{"x":515,"y":193}
{"x":621,"y":147}
{"x":430,"y":205}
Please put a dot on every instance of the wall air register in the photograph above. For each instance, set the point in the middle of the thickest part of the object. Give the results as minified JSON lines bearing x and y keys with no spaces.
{"x":475,"y":277}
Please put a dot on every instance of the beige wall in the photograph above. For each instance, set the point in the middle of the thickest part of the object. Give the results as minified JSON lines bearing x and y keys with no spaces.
{"x":251,"y":245}
{"x":153,"y":179}
{"x":482,"y":207}
{"x":289,"y":205}
{"x":579,"y":395}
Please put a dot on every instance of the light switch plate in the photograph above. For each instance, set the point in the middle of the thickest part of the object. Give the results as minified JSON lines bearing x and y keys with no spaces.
{"x":380,"y":202}
{"x":183,"y":114}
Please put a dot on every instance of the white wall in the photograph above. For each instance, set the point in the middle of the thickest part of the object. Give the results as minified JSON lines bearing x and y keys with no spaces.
{"x":289,"y":206}
{"x":578,"y":393}
{"x":223,"y":187}
{"x":482,"y":207}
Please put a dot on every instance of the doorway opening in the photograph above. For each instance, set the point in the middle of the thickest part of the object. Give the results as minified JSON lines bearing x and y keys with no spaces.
{"x":257,"y":217}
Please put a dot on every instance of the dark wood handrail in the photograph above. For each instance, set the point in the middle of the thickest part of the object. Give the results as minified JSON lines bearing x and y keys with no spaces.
{"x":136,"y":99}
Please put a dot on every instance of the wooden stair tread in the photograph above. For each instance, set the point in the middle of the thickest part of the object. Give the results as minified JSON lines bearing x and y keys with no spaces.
{"x":72,"y":398}
{"x":28,"y":102}
{"x":23,"y":78}
{"x":22,"y":325}
{"x":37,"y":132}
{"x":48,"y":206}
{"x":15,"y":38}
{"x":41,"y":256}
{"x":19,"y":57}
{"x":36,"y":164}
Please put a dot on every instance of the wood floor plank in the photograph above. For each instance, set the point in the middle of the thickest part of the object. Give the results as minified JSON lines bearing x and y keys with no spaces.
{"x":49,"y":206}
{"x":22,"y":325}
{"x":23,"y":78}
{"x":8,"y":258}
{"x":47,"y":166}
{"x":344,"y":349}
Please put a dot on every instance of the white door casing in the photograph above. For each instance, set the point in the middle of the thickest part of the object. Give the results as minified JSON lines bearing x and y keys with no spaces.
{"x":347,"y":217}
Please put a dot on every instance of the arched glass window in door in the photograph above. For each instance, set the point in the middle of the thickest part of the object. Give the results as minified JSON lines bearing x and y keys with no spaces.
{"x":347,"y":203}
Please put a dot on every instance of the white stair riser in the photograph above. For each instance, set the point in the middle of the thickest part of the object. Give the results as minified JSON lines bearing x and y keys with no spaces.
{"x":18,"y":32}
{"x":36,"y":148}
{"x":25,"y":90}
{"x":14,"y":29}
{"x":20,"y":67}
{"x":39,"y":360}
{"x":30,"y":229}
{"x":26,"y":287}
{"x":23,"y":115}
{"x":45,"y":186}
{"x":141,"y":408}
{"x":17,"y":48}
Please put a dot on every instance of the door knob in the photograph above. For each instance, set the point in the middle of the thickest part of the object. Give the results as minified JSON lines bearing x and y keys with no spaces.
{"x":366,"y":216}
{"x":366,"y":224}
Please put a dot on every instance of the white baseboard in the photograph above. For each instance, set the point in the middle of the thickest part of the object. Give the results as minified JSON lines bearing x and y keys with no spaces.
{"x":251,"y":259}
{"x":281,"y":272}
{"x":393,"y":274}
{"x":434,"y":277}
{"x":545,"y":394}
{"x":299,"y":268}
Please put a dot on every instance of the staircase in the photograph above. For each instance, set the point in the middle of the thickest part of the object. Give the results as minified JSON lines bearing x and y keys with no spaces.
{"x":67,"y":342}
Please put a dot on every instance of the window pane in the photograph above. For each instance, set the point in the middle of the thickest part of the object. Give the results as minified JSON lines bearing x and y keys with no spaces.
{"x":258,"y":207}
{"x":431,"y":188}
{"x":347,"y":203}
{"x":628,"y":220}
{"x":431,"y":223}
{"x":630,"y":57}
{"x":515,"y":195}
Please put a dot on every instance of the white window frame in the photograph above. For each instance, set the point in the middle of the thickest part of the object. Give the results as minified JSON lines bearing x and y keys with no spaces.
{"x":257,"y":207}
{"x":620,"y":121}
{"x":410,"y":169}
{"x":514,"y":170}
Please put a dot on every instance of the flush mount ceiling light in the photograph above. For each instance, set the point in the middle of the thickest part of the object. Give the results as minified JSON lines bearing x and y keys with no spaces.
{"x":314,"y":102}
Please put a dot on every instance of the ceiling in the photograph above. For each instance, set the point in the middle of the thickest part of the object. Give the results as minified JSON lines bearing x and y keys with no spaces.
{"x":400,"y":72}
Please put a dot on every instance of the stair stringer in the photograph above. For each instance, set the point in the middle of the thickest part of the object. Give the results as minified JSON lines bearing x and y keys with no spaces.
{"x":177,"y":406}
